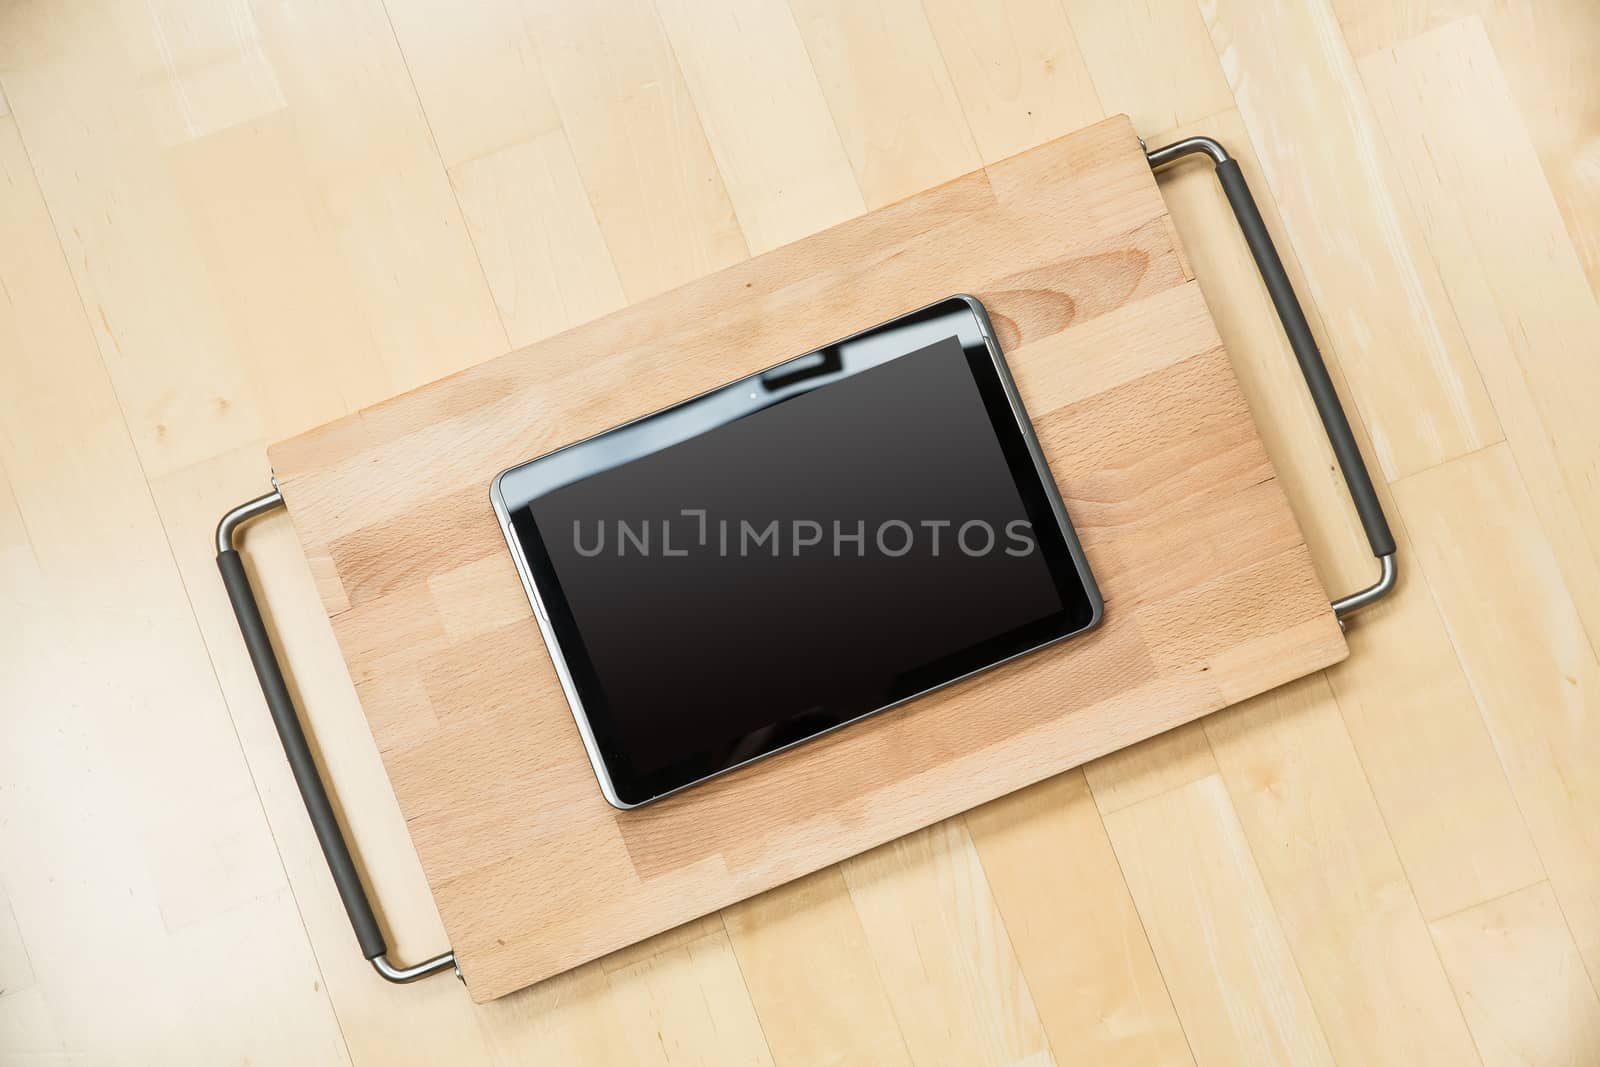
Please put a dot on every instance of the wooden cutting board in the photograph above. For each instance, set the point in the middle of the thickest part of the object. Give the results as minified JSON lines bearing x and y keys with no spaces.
{"x":1210,"y":594}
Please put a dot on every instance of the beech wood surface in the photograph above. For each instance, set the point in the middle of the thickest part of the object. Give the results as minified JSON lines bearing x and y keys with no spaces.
{"x":1210,"y":592}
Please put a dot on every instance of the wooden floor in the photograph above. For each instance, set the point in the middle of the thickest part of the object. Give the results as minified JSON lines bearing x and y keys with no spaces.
{"x":224,"y":222}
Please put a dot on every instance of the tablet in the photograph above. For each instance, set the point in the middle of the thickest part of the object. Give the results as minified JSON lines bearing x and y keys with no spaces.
{"x":793,"y":551}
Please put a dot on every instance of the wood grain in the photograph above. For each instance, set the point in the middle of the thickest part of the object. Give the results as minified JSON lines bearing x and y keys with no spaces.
{"x":1386,"y":314}
{"x":660,"y":201}
{"x":813,"y":979}
{"x":1017,"y":70}
{"x":1453,"y":819}
{"x":477,"y":75}
{"x":542,"y":252}
{"x":1548,"y":50}
{"x":962,"y":1000}
{"x":1090,"y":971}
{"x":487,"y":766}
{"x":1337,"y":885}
{"x":1222,"y":923}
{"x":1511,"y":269}
{"x":766,"y":120}
{"x":103,"y":700}
{"x":898,"y":114}
{"x":224,"y":222}
{"x":481,"y":84}
{"x":159,"y":307}
{"x":1150,"y":60}
{"x":1499,"y":588}
{"x":1521,"y":984}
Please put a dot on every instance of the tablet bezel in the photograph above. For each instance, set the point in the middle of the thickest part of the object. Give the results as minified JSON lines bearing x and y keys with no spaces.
{"x":963,"y":317}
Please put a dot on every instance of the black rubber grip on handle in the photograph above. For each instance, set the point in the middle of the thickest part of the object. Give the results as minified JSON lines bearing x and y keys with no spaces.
{"x":1306,"y":352}
{"x":306,"y":776}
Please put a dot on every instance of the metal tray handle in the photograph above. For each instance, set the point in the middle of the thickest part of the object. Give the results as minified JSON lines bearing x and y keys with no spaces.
{"x":1298,"y":331}
{"x":340,"y":864}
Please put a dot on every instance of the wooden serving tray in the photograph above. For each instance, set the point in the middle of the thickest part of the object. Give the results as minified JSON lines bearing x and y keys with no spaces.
{"x":1210,"y":594}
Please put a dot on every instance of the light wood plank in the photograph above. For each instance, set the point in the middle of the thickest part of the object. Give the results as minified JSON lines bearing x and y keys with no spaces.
{"x":1549,"y":50}
{"x":944,"y":952}
{"x":73,"y":91}
{"x":689,"y":1005}
{"x":891,"y":96}
{"x":367,"y":140}
{"x":1453,"y":818}
{"x":1370,"y":25}
{"x":1072,"y":924}
{"x":491,"y":114}
{"x":477,"y":75}
{"x":638,"y":142}
{"x":1017,"y":70}
{"x":168,"y":287}
{"x":24,"y":581}
{"x":1533,"y":670}
{"x":1388,"y":320}
{"x":569,"y":1019}
{"x":16,"y":970}
{"x":542,"y":251}
{"x":1512,"y":273}
{"x":138,"y":868}
{"x":282,"y":284}
{"x":1211,"y":924}
{"x":206,"y":71}
{"x":28,"y":1030}
{"x":1151,"y":60}
{"x":809,"y":967}
{"x":1412,"y":696}
{"x":1150,"y":768}
{"x":249,"y":251}
{"x":765,"y":117}
{"x":1335,"y":881}
{"x":1521,"y":983}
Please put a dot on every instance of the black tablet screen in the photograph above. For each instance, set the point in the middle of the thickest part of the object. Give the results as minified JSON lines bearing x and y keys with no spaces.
{"x":828,"y":553}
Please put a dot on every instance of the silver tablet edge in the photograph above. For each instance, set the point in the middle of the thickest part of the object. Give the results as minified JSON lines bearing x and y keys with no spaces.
{"x":1052,"y":490}
{"x":552,"y":645}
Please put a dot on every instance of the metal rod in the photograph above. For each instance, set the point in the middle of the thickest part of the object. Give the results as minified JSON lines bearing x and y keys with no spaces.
{"x":243,"y":514}
{"x":1298,"y":331}
{"x":1344,"y":606}
{"x":402,"y":975}
{"x":275,"y":690}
